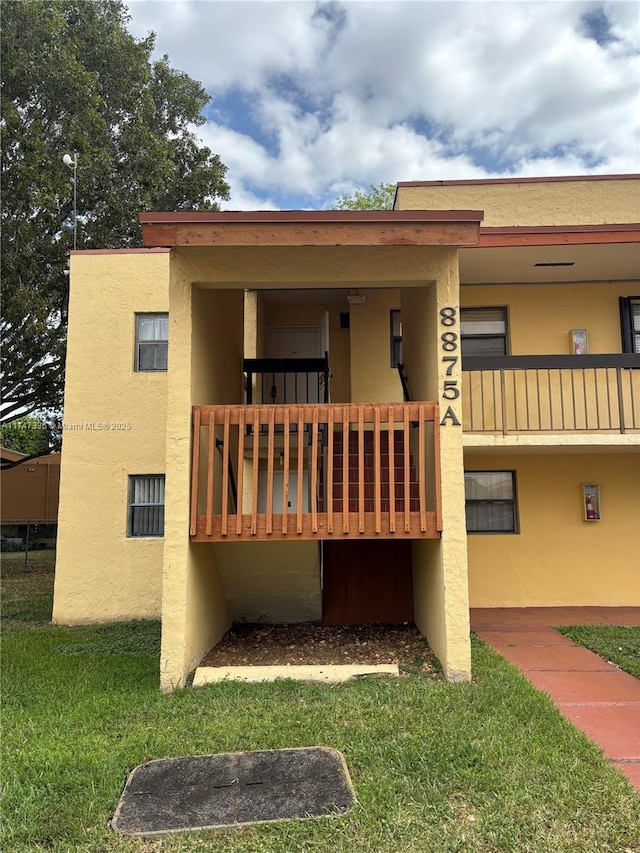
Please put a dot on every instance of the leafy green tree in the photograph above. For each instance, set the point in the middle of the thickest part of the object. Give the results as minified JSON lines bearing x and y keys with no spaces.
{"x":379,"y":197}
{"x":30,"y":435}
{"x":75,"y":81}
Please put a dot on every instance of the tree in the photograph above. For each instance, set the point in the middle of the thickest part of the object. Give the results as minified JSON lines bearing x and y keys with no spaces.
{"x":379,"y":197}
{"x":75,"y":81}
{"x":29,"y":435}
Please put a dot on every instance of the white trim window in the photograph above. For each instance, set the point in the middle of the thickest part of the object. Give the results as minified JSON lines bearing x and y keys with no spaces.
{"x":152,"y":342}
{"x":146,"y":505}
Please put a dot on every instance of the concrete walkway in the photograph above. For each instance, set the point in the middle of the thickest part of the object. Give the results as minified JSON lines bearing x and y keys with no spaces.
{"x":594,"y":695}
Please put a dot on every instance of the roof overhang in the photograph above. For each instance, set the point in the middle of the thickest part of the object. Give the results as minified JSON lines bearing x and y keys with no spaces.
{"x":559,"y":235}
{"x":313,"y":228}
{"x":8,"y":455}
{"x":553,"y":254}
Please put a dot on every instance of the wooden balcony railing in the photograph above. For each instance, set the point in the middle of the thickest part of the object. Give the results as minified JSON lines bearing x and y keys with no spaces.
{"x":325,"y":471}
{"x":551,"y":393}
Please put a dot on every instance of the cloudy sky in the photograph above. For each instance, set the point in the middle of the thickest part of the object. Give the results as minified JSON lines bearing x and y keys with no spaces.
{"x":311,"y":100}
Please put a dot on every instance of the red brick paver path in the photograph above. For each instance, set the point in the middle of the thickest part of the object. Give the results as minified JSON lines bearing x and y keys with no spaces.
{"x":594,"y":695}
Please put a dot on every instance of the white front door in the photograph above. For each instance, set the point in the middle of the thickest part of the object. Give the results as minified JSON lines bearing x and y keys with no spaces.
{"x":293,"y":342}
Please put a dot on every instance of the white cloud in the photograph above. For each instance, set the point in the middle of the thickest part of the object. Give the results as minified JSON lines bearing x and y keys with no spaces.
{"x":226,"y":43}
{"x":354,"y":93}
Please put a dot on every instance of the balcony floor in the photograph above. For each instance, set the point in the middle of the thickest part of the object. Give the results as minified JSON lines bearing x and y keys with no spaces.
{"x":414,"y":525}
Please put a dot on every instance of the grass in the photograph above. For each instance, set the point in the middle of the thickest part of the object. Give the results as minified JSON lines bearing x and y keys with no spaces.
{"x":619,"y":645}
{"x":484,"y":767}
{"x":26,"y":596}
{"x":39,"y":560}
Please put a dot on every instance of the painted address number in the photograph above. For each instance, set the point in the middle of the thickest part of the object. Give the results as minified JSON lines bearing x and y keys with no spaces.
{"x":449,"y":345}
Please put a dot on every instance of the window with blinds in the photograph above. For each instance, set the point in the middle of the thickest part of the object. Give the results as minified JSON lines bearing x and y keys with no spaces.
{"x":146,"y":505}
{"x":490,"y":503}
{"x":152,"y":342}
{"x":630,"y":320}
{"x":483,"y":331}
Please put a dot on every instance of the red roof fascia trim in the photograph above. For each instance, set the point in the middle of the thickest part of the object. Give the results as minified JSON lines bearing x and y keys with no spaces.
{"x":554,"y":229}
{"x":133,"y":251}
{"x":550,"y":235}
{"x":364,"y":217}
{"x":541,"y":180}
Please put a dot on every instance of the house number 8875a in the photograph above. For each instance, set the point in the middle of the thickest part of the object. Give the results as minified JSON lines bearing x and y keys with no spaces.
{"x":449,"y":345}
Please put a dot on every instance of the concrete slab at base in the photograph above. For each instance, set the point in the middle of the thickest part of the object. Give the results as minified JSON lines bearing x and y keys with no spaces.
{"x":329,"y":673}
{"x":233,"y":789}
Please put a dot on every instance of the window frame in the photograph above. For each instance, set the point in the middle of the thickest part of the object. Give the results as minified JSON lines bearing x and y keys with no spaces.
{"x":514,"y":502}
{"x":394,"y":339}
{"x":477,"y":308}
{"x":139,"y":315}
{"x":131,"y":506}
{"x":626,"y":323}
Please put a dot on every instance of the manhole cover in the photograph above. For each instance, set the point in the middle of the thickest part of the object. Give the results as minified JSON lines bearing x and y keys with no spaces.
{"x":209,"y":791}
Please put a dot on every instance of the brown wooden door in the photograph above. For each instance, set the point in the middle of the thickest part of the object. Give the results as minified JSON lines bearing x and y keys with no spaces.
{"x":367,"y":581}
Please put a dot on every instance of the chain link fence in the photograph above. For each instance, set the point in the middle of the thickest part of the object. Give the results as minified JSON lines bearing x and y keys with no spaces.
{"x":28,"y":546}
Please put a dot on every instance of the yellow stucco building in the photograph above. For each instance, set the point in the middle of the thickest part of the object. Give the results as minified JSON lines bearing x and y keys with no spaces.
{"x":254,"y":452}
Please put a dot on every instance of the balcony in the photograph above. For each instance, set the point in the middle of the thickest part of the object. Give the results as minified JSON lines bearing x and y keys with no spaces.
{"x":315,"y":471}
{"x":535,"y":394}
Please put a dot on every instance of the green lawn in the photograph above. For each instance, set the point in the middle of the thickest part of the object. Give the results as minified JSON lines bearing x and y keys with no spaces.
{"x":620,"y":645}
{"x":26,"y":596}
{"x":489,"y":766}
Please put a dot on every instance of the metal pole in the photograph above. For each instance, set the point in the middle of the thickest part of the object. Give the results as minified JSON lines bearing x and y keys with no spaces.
{"x":75,"y":200}
{"x":72,"y":163}
{"x":26,"y":549}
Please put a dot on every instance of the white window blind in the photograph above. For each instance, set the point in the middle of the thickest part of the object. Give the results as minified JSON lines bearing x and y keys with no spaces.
{"x":490,"y":501}
{"x":146,"y":505}
{"x":152,"y":342}
{"x":483,"y":331}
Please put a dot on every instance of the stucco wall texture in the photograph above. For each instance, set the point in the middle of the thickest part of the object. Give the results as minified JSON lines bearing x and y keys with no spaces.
{"x":373,"y":380}
{"x":541,"y":316}
{"x":439,"y":566}
{"x":557,"y":558}
{"x":540,"y":202}
{"x":101,"y":574}
{"x":272,"y":582}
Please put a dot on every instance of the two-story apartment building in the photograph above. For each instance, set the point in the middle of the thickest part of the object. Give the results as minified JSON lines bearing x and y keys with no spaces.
{"x":257,"y":455}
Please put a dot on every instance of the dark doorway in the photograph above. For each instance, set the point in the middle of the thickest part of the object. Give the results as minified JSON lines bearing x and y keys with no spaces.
{"x":367,"y":581}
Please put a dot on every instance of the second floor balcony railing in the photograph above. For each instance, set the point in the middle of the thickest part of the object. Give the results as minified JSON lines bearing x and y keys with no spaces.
{"x":315,"y":471}
{"x":585,"y":393}
{"x":287,"y":380}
